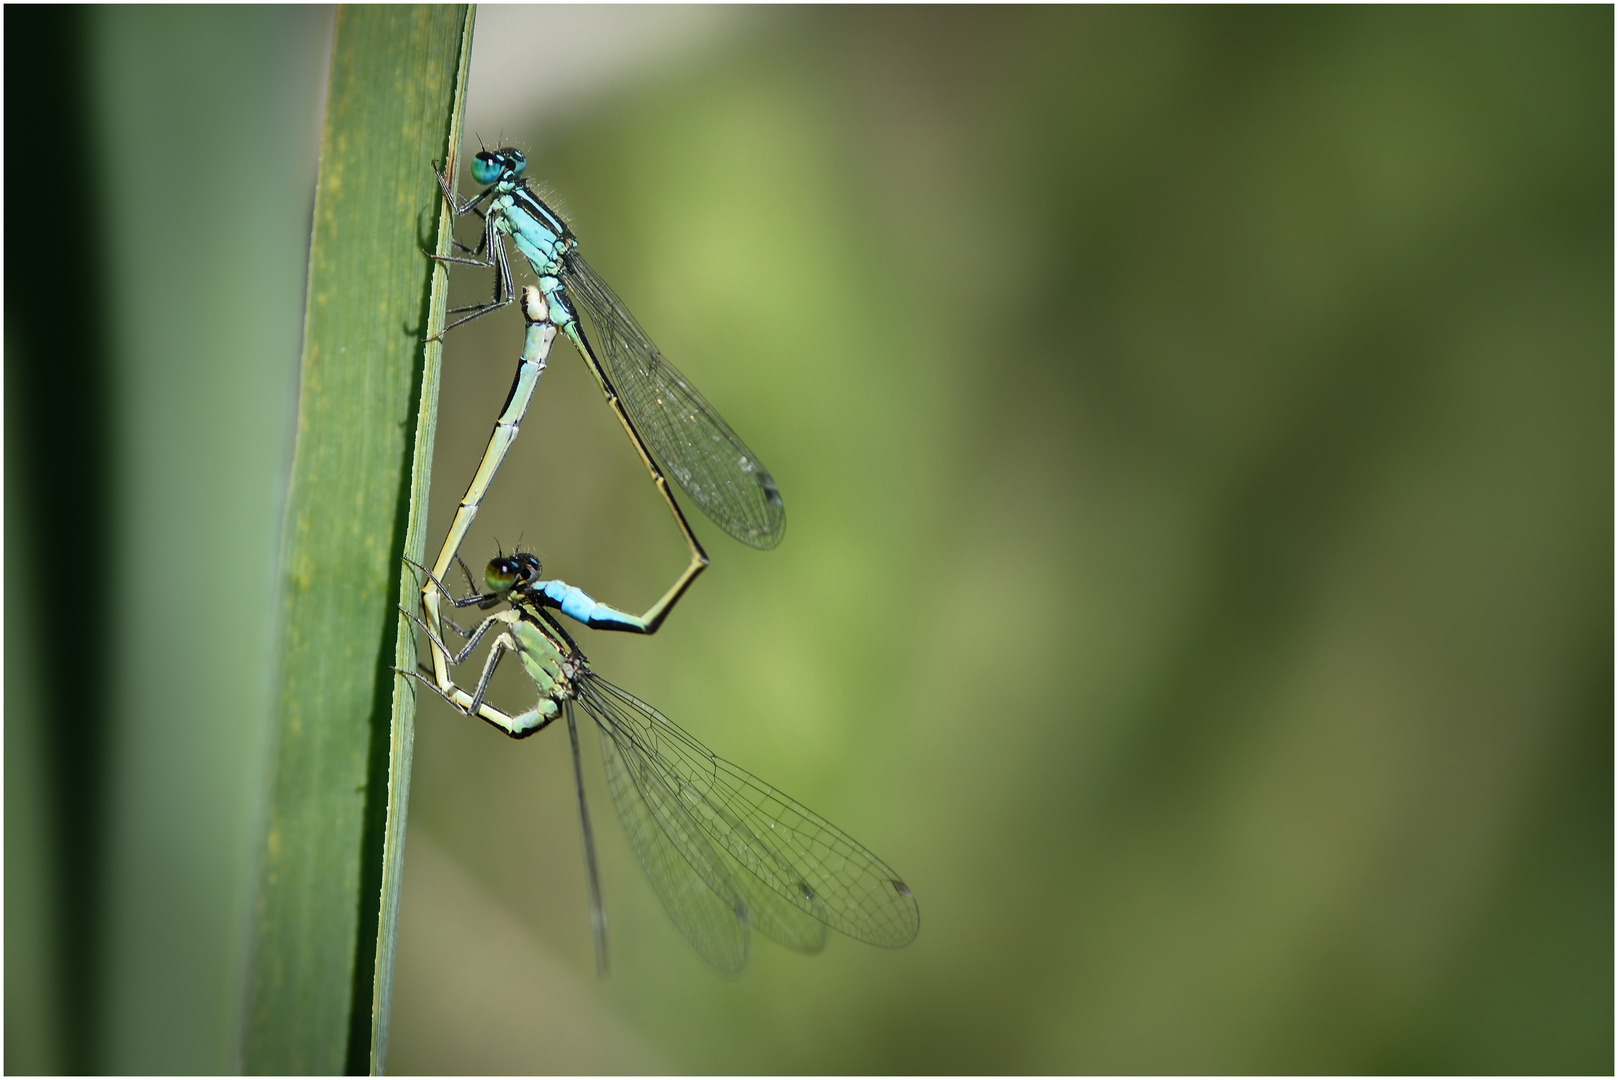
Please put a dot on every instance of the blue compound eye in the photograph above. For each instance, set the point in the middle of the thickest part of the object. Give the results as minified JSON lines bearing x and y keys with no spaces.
{"x":516,"y":162}
{"x":487,"y":167}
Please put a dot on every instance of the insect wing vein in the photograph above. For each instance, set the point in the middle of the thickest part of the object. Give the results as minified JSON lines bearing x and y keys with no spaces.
{"x":690,"y":439}
{"x":803,"y":858}
{"x":688,"y":877}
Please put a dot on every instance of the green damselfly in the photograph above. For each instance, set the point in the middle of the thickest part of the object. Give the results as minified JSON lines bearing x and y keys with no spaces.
{"x":723,"y":850}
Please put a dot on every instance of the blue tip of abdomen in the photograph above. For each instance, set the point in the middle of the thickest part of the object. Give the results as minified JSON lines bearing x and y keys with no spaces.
{"x":576,"y":604}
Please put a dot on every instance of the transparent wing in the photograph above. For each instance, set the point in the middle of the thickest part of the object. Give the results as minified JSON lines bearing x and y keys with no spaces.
{"x":685,"y":434}
{"x":684,"y":871}
{"x":656,"y":810}
{"x":807,"y":863}
{"x":780,"y":921}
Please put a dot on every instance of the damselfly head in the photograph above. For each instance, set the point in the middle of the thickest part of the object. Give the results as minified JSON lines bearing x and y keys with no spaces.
{"x":507,"y":572}
{"x":490,"y":166}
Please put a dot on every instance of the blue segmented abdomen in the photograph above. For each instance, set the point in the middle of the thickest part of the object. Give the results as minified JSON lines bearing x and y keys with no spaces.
{"x":575,"y":603}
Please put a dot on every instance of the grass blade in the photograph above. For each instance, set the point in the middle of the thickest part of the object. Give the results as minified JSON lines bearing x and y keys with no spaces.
{"x":323,"y":926}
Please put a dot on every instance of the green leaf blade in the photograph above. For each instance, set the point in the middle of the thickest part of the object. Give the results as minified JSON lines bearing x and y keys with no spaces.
{"x":323,"y":926}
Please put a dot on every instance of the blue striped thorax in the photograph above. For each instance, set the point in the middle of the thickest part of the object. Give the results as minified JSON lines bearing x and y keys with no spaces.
{"x":539,"y":232}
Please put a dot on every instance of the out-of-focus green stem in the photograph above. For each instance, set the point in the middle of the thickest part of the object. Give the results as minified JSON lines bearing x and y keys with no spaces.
{"x":324,"y":923}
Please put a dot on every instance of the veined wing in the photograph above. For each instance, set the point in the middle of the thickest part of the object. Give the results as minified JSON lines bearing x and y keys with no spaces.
{"x":684,"y":871}
{"x":690,"y":440}
{"x":674,"y":833}
{"x":799,"y":856}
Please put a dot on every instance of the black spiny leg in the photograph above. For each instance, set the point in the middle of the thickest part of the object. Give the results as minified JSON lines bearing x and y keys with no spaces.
{"x":503,"y":289}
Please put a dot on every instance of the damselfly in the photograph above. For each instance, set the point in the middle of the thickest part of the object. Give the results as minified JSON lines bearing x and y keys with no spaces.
{"x":671,"y":424}
{"x":537,"y":339}
{"x":723,"y":850}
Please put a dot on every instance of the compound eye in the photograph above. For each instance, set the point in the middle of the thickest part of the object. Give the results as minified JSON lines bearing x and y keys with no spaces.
{"x":487,"y":167}
{"x":516,"y":162}
{"x":500,"y":575}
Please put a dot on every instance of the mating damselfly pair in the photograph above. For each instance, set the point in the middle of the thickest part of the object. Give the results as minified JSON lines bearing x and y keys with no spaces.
{"x":723,"y":851}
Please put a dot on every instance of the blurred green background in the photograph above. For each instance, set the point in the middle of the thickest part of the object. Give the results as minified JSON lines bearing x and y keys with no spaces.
{"x":1196,"y":432}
